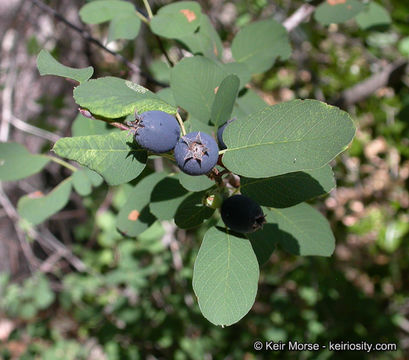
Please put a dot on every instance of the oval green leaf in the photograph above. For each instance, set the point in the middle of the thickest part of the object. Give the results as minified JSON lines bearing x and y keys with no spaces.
{"x":195,"y":183}
{"x":112,"y":156}
{"x":225,"y":277}
{"x":101,"y":11}
{"x":373,"y":16}
{"x":293,"y":136}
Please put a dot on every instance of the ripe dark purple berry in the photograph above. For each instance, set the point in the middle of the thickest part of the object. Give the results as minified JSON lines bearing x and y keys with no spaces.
{"x":242,"y":214}
{"x":155,"y":130}
{"x":196,"y":153}
{"x":220,"y":130}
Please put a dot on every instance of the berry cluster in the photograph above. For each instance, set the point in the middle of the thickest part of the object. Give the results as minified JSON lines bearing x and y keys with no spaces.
{"x":196,"y":153}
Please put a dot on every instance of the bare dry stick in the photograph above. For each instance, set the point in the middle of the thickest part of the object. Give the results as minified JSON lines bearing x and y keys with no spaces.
{"x":301,"y":15}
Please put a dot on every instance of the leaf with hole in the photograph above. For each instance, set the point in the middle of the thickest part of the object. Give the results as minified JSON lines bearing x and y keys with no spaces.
{"x":337,"y":11}
{"x":175,"y":20}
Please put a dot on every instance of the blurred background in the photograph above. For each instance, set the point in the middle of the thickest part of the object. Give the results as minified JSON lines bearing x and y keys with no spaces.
{"x":74,"y":288}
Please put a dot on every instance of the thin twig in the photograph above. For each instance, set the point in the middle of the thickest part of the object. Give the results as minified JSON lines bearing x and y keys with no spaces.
{"x":164,"y":52}
{"x":301,"y":15}
{"x":182,"y":125}
{"x":148,"y":9}
{"x":34,"y":130}
{"x":133,"y":67}
{"x":62,"y":162}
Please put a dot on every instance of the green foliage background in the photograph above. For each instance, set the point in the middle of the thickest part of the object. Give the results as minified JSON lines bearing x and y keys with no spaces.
{"x":134,"y":299}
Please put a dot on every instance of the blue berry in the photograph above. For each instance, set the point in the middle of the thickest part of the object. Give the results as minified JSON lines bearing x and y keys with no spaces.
{"x":196,"y":153}
{"x":220,"y":130}
{"x":242,"y":214}
{"x":156,"y":131}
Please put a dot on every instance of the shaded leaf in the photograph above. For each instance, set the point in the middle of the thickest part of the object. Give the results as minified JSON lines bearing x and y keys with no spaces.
{"x":81,"y":182}
{"x":240,"y":70}
{"x":176,"y":20}
{"x":135,"y":216}
{"x":289,"y":189}
{"x":191,"y":212}
{"x":264,"y":242}
{"x":195,"y":183}
{"x":112,"y":97}
{"x":259,"y":44}
{"x":293,"y":136}
{"x":300,"y":230}
{"x":248,"y":103}
{"x":17,"y":163}
{"x":166,"y":197}
{"x":193,"y":82}
{"x":337,"y":11}
{"x":47,"y":65}
{"x":111,"y":155}
{"x":225,"y":277}
{"x":37,"y":207}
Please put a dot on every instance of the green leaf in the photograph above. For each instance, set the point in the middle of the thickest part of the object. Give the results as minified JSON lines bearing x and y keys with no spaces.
{"x":176,"y":20}
{"x":193,"y":124}
{"x":293,"y":136}
{"x":17,"y":163}
{"x":247,"y":104}
{"x":337,"y":11}
{"x":124,"y":27}
{"x":112,"y":97}
{"x":166,"y":95}
{"x":259,"y":44}
{"x":240,"y":70}
{"x":289,"y":189}
{"x":225,"y":277}
{"x":81,"y":182}
{"x":300,"y":230}
{"x":101,"y":11}
{"x":37,"y":207}
{"x":205,"y":41}
{"x":111,"y":155}
{"x":47,"y":65}
{"x":191,"y":212}
{"x":84,"y":126}
{"x":194,"y":82}
{"x":264,"y":242}
{"x":224,"y":100}
{"x":94,"y":177}
{"x":135,"y":217}
{"x":404,"y":46}
{"x":160,"y":71}
{"x":374,"y":15}
{"x":195,"y":183}
{"x":166,"y":197}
